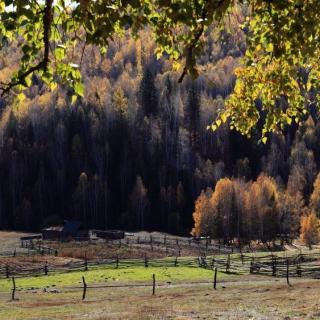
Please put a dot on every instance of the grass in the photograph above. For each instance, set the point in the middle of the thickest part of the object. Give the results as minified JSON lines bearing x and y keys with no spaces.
{"x":245,"y":298}
{"x":35,"y":303}
{"x":238,"y":296}
{"x":110,"y":275}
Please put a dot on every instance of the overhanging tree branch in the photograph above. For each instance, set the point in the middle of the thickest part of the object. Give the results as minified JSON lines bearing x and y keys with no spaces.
{"x":198,"y":34}
{"x":43,"y":64}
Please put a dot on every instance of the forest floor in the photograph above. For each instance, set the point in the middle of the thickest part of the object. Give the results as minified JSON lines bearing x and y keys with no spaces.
{"x":126,"y":293}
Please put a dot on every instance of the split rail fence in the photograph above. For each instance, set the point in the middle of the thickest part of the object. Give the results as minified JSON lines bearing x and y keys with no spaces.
{"x":299,"y":265}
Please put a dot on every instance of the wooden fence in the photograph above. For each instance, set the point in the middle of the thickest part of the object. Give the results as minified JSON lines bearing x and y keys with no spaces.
{"x":20,"y":270}
{"x":299,"y":265}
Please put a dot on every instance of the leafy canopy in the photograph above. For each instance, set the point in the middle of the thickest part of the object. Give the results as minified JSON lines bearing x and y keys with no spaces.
{"x":278,"y":77}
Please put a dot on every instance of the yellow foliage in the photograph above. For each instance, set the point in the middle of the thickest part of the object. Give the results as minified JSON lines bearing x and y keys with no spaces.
{"x":201,"y":214}
{"x":309,"y":232}
{"x":315,"y":196}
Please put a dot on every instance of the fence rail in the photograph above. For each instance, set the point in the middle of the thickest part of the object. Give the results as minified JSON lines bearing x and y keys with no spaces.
{"x":19,"y":270}
{"x":299,"y":265}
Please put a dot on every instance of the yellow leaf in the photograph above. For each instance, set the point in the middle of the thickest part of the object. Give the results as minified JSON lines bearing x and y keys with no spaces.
{"x":74,"y":99}
{"x":223,"y":118}
{"x":176,"y":65}
{"x":269,"y":47}
{"x":21,"y":97}
{"x":53,"y":86}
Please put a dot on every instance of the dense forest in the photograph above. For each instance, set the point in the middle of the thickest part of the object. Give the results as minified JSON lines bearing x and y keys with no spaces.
{"x":135,"y":152}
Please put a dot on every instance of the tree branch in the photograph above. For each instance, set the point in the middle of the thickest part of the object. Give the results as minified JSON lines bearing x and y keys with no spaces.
{"x":190,"y":48}
{"x":43,"y":64}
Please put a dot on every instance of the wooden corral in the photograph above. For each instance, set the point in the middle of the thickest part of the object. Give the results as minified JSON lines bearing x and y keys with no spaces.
{"x":29,"y":241}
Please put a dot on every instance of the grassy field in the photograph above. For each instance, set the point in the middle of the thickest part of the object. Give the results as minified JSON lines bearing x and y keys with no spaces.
{"x":243,"y":297}
{"x":182,"y":292}
{"x":109,"y":275}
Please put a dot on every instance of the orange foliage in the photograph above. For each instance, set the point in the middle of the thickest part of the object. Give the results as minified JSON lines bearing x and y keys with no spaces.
{"x":309,"y":232}
{"x":201,"y":213}
{"x":315,"y":197}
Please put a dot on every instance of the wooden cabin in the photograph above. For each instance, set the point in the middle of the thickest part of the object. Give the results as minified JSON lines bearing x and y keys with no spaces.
{"x":70,"y":230}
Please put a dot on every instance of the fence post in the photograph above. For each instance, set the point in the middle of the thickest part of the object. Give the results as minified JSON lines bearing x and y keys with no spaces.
{"x":117,"y":262}
{"x":46,"y":269}
{"x":146,"y":261}
{"x":251,"y":265}
{"x":165,"y":240}
{"x":176,"y":261}
{"x":14,"y":252}
{"x":228,"y":263}
{"x":7,"y":271}
{"x":212,"y":263}
{"x":151,"y":243}
{"x":275,"y":266}
{"x":215,"y":279}
{"x":85,"y":264}
{"x":288,"y":283}
{"x":299,"y":271}
{"x":56,"y":253}
{"x":84,"y":288}
{"x":13,"y":288}
{"x":153,"y":284}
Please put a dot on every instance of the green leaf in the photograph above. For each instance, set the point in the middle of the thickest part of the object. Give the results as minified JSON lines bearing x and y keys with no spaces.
{"x":59,"y":52}
{"x":79,"y":89}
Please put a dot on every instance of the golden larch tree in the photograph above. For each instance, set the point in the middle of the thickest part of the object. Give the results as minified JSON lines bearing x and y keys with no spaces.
{"x":309,"y":230}
{"x":202,"y":213}
{"x":315,"y":197}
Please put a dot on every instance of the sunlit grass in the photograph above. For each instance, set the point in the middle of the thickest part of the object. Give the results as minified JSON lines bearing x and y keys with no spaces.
{"x":111,"y":275}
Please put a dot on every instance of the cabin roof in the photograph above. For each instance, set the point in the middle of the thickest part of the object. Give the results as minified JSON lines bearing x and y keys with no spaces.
{"x":54,"y":228}
{"x":69,"y":227}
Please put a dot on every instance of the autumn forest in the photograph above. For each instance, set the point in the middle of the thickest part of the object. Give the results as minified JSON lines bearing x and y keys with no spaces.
{"x":135,"y":153}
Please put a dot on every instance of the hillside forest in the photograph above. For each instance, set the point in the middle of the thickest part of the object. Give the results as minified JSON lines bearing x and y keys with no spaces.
{"x":135,"y":152}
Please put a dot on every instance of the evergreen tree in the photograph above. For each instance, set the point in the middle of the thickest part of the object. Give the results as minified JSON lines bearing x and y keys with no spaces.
{"x":148,"y":94}
{"x":192,"y":115}
{"x":139,"y":203}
